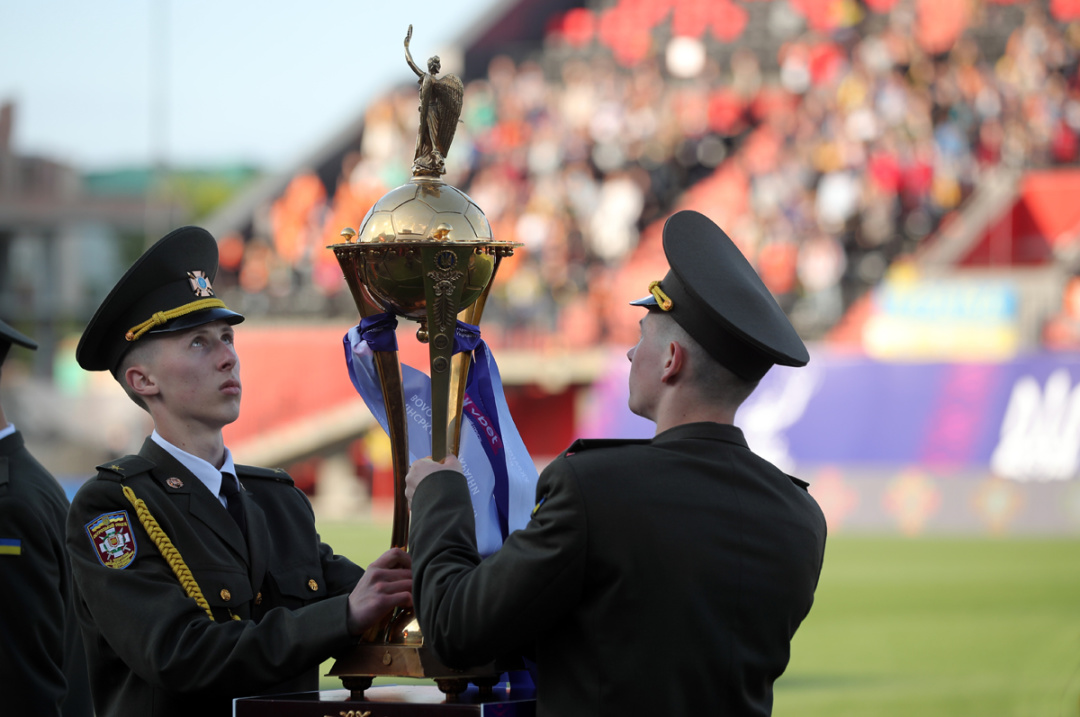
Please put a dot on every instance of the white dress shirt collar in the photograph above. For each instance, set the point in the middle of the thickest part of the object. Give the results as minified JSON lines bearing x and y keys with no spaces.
{"x":203,"y":470}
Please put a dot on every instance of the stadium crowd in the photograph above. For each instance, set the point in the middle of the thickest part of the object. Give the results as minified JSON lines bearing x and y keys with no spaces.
{"x":824,"y":162}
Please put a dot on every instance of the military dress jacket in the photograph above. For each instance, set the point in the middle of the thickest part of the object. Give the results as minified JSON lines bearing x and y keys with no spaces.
{"x":660,"y":577}
{"x":278,"y":595}
{"x":42,"y":665}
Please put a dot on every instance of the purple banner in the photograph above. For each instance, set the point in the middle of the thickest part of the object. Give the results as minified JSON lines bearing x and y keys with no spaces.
{"x":859,"y":411}
{"x":1020,"y":419}
{"x":909,"y":446}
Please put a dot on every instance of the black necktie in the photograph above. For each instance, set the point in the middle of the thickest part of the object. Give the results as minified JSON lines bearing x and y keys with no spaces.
{"x":230,"y":491}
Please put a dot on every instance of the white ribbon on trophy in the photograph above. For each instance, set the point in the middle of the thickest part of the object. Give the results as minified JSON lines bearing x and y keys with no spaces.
{"x":477,"y":462}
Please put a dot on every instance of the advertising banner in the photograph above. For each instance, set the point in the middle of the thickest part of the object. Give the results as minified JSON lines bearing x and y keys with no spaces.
{"x":912,"y":447}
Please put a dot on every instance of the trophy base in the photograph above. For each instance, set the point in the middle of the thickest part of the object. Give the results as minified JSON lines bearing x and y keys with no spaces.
{"x":392,"y":701}
{"x":367,"y":661}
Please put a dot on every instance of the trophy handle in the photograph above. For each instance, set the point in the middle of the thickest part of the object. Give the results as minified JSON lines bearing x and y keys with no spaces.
{"x":388,"y":368}
{"x":462,"y":361}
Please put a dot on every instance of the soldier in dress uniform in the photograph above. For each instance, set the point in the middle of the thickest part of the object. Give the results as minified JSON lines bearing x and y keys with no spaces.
{"x":42,"y":665}
{"x":200,"y":580}
{"x":663,"y":576}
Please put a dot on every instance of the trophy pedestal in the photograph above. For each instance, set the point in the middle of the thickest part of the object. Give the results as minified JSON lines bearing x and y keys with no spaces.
{"x":366,"y":661}
{"x":392,"y":701}
{"x":397,"y":649}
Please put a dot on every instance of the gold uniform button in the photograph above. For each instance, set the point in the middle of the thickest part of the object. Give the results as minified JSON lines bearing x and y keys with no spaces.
{"x":258,"y":599}
{"x":226,"y":595}
{"x":313,"y":585}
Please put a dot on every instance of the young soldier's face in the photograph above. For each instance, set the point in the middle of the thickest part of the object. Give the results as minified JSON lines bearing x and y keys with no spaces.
{"x":197,"y":373}
{"x":645,"y":368}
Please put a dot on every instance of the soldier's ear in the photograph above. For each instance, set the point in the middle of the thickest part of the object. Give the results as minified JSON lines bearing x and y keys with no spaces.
{"x":675,"y":357}
{"x":140,"y":381}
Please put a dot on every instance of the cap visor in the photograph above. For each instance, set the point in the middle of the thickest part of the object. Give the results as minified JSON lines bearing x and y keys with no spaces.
{"x":9,"y":334}
{"x":199,"y":318}
{"x":649,"y":300}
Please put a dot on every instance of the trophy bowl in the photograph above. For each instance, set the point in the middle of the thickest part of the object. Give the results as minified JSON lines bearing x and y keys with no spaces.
{"x":422,"y":212}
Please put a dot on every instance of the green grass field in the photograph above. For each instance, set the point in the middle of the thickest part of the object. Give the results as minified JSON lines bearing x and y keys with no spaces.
{"x":929,"y":627}
{"x":940,"y":627}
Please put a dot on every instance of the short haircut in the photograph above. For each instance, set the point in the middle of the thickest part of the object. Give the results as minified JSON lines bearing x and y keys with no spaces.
{"x":140,"y":352}
{"x":715,"y":382}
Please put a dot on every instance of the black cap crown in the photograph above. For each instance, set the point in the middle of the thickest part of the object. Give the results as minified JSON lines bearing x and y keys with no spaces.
{"x":168,"y":288}
{"x":718,"y":298}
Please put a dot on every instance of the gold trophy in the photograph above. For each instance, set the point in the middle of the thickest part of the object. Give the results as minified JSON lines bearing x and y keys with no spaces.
{"x":425,"y":252}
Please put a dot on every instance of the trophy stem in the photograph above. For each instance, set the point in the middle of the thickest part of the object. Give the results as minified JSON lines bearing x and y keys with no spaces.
{"x":442,"y":266}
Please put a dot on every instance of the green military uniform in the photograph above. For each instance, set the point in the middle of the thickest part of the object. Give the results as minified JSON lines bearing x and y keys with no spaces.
{"x":151,"y":648}
{"x":184,"y":603}
{"x":731,"y":548}
{"x":659,"y":577}
{"x":42,"y":665}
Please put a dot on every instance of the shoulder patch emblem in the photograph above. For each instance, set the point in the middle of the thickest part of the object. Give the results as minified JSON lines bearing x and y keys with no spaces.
{"x":10,"y":546}
{"x":113,"y":541}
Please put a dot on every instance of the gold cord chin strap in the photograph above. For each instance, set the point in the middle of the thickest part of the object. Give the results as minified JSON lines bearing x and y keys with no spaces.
{"x":169,"y":552}
{"x":162,"y":317}
{"x":662,"y":299}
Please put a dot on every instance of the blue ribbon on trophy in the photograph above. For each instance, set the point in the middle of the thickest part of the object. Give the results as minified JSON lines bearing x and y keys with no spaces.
{"x":498,"y":468}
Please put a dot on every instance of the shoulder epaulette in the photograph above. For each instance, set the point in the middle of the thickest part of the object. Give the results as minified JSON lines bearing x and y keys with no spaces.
{"x":588,"y":444}
{"x":276,"y":474}
{"x":801,"y":483}
{"x":124,"y":467}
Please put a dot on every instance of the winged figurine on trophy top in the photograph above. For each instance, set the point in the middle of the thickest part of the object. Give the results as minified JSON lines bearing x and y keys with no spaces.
{"x":440,"y":107}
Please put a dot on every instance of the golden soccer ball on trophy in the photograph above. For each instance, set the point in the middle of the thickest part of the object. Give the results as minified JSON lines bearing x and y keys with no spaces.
{"x":423,"y":211}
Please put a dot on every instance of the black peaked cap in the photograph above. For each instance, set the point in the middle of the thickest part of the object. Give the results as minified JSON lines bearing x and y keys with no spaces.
{"x":172,"y":274}
{"x":9,"y":336}
{"x":718,"y":298}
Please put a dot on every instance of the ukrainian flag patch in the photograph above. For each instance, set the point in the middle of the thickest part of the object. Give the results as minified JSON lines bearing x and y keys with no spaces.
{"x":10,"y":546}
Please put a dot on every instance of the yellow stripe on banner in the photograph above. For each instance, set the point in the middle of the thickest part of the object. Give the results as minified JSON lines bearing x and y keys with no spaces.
{"x":10,"y":550}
